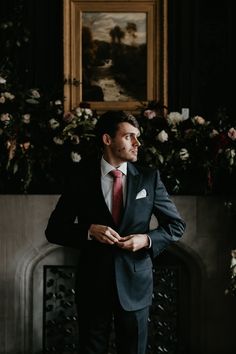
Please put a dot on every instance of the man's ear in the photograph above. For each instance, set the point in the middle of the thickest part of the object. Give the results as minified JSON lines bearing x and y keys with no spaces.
{"x":106,"y":139}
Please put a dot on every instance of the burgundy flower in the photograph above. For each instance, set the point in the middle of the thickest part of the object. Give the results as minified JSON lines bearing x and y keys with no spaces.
{"x":68,"y":116}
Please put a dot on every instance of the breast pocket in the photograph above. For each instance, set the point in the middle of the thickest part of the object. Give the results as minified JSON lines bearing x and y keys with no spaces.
{"x":143,"y":205}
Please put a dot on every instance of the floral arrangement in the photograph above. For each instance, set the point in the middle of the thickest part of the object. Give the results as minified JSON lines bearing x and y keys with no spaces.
{"x":39,"y":141}
{"x":194,"y":155}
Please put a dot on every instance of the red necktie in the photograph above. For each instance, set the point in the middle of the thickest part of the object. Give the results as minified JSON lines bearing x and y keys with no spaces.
{"x":117,"y":195}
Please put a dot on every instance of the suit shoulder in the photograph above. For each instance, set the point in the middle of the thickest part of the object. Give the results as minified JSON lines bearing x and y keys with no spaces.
{"x":79,"y":172}
{"x":146,"y":170}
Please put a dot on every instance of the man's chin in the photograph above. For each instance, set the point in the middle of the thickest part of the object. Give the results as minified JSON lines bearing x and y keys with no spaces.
{"x":134,"y":158}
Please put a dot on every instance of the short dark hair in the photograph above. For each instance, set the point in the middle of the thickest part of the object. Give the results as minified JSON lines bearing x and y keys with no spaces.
{"x":109,"y":121}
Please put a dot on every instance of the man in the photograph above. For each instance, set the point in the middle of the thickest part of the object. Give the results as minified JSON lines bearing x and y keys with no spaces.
{"x":114,"y":277}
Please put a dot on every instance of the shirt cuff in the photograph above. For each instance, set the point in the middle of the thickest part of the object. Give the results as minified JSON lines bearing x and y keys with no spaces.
{"x":149,"y":242}
{"x":90,"y":237}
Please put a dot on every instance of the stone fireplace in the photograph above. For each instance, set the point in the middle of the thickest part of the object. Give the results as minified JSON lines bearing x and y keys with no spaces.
{"x":205,"y":322}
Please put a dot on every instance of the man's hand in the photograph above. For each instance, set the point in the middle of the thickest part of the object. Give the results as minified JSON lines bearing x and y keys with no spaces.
{"x":134,"y":242}
{"x":104,"y":234}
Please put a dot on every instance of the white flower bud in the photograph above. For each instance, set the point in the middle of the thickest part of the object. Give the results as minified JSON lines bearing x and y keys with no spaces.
{"x":54,"y":124}
{"x":35,"y":94}
{"x":9,"y":96}
{"x":75,"y":156}
{"x":174,"y":118}
{"x":199,"y":120}
{"x":88,"y":112}
{"x":183,"y":154}
{"x":26,"y":118}
{"x":2,"y":80}
{"x":78,"y":111}
{"x":2,"y":99}
{"x":58,"y":141}
{"x":162,"y":136}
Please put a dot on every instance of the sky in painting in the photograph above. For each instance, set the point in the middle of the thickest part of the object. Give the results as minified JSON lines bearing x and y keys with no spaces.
{"x":101,"y":23}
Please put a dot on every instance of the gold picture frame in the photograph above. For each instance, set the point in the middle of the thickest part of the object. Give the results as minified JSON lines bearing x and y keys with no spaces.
{"x":112,"y":43}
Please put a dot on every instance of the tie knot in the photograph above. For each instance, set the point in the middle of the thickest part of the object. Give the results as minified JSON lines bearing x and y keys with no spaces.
{"x":116,"y":173}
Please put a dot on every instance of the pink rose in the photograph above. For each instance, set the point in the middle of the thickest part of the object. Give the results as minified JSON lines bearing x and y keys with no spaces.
{"x":232,"y":134}
{"x":149,"y":114}
{"x":68,"y":117}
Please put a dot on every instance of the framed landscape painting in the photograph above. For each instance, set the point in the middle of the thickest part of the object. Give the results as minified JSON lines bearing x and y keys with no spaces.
{"x":115,"y":53}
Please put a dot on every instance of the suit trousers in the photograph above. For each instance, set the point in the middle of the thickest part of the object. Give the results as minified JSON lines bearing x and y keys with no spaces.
{"x":95,"y":324}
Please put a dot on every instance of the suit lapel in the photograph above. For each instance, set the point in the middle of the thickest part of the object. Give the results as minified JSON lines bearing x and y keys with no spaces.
{"x":133,"y":179}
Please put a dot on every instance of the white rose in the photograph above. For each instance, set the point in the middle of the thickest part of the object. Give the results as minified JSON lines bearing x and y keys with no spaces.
{"x":54,"y":124}
{"x":9,"y":96}
{"x":174,"y":118}
{"x":58,"y":141}
{"x":2,"y":99}
{"x":35,"y":94}
{"x":88,"y":111}
{"x":78,"y":111}
{"x":214,"y":133}
{"x":199,"y":120}
{"x":75,"y":139}
{"x":26,"y":118}
{"x":75,"y":156}
{"x":2,"y":80}
{"x":162,"y":136}
{"x":94,"y":121}
{"x":58,"y":102}
{"x":230,"y":155}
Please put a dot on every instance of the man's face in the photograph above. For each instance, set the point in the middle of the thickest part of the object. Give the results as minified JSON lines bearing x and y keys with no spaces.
{"x":124,"y":146}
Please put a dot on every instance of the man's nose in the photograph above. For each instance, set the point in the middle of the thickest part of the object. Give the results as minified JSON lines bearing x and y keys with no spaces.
{"x":136,"y":141}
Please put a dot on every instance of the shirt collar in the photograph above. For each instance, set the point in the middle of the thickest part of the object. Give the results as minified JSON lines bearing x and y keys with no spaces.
{"x":106,"y":167}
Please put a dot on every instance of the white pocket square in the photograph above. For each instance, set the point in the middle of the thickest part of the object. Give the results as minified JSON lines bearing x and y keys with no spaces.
{"x":141,"y":194}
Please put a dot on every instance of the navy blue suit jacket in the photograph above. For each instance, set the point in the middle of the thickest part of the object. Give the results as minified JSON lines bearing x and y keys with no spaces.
{"x":100,"y":264}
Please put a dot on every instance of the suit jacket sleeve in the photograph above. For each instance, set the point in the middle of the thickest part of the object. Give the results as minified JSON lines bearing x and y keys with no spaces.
{"x":63,"y":228}
{"x":170,"y":224}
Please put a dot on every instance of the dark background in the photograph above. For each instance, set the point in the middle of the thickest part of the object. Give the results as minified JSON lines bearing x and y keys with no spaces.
{"x":201,"y":56}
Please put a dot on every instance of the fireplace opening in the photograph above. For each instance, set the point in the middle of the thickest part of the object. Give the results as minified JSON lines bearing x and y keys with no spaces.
{"x":176,"y":317}
{"x":170,"y":315}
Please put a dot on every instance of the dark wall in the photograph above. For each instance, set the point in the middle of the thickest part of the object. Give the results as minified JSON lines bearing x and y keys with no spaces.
{"x":46,"y":22}
{"x":39,"y":62}
{"x":201,"y":58}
